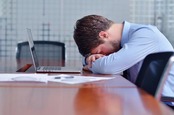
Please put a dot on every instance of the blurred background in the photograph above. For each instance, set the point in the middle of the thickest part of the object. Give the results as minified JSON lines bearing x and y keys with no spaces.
{"x":55,"y":19}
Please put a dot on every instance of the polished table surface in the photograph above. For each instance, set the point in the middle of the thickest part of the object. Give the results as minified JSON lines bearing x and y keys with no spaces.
{"x":117,"y":96}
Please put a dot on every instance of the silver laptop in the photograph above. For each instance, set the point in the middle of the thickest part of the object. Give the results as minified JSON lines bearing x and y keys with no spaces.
{"x":47,"y":69}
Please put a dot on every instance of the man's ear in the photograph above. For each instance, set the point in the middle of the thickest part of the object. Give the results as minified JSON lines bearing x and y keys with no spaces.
{"x":103,"y":34}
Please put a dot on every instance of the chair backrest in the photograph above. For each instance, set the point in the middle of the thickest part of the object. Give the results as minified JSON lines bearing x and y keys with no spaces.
{"x":154,"y":72}
{"x":50,"y":50}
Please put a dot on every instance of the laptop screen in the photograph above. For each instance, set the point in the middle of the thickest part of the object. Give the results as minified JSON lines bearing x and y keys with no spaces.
{"x":32,"y":49}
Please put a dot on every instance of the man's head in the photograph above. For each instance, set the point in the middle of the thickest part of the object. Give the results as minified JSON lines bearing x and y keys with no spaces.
{"x":97,"y":34}
{"x":86,"y":32}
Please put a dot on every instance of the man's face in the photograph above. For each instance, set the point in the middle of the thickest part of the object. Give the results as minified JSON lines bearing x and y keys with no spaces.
{"x":106,"y":48}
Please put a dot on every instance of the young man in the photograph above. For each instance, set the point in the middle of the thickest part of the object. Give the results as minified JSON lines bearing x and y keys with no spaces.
{"x":111,"y":48}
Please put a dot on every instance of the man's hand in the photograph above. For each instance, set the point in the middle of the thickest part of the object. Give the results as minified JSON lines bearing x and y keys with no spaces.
{"x":92,"y":58}
{"x":86,"y":68}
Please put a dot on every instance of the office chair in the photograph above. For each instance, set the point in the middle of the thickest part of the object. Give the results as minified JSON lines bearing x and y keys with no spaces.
{"x":46,"y":50}
{"x":154,"y":72}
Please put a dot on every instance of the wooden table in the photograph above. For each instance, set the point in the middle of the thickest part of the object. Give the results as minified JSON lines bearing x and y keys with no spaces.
{"x":108,"y":97}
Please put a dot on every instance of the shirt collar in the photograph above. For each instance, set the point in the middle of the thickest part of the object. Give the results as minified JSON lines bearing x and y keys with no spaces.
{"x":125,"y":32}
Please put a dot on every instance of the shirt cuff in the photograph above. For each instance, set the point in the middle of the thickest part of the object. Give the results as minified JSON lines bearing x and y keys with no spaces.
{"x":84,"y":61}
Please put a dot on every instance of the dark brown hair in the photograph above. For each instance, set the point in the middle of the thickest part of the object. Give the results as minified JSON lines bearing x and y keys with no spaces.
{"x":86,"y":32}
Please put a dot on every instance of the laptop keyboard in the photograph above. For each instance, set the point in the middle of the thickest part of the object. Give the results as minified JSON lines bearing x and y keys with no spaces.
{"x":51,"y":68}
{"x":57,"y":69}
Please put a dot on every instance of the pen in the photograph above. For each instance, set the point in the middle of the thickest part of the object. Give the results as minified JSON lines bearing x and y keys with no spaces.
{"x":69,"y":77}
{"x":66,"y":77}
{"x":57,"y":77}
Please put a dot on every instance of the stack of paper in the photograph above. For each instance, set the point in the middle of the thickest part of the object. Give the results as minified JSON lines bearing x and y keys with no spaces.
{"x":62,"y":78}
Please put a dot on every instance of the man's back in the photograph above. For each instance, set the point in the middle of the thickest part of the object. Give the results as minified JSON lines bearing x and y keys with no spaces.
{"x":150,"y":40}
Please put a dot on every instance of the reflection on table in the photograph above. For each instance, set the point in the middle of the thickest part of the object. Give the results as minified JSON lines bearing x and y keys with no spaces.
{"x":116,"y":96}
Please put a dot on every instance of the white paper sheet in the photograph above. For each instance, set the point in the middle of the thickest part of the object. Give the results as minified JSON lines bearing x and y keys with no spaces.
{"x":24,"y":77}
{"x":62,"y":78}
{"x":71,"y":79}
